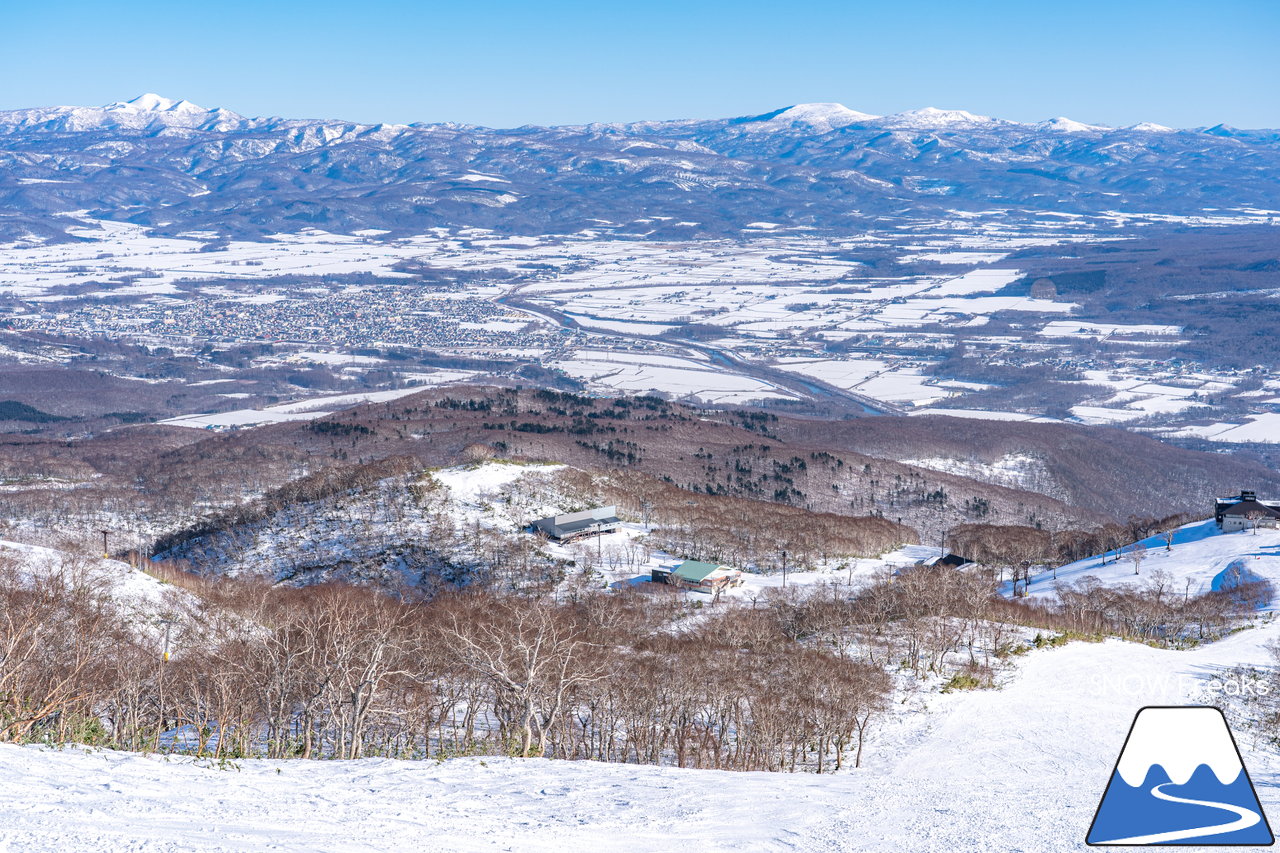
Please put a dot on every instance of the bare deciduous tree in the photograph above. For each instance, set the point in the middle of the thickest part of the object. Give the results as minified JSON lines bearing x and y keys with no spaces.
{"x":1136,"y":553}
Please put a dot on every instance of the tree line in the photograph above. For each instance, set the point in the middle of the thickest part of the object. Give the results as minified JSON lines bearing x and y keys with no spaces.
{"x":336,"y":671}
{"x":791,"y":679}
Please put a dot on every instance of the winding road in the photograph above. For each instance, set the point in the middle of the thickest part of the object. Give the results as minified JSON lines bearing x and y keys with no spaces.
{"x":804,"y":387}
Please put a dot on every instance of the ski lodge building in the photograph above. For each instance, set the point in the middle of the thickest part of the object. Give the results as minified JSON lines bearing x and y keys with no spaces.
{"x":575,"y":525}
{"x":945,"y":561}
{"x":1245,"y":511}
{"x":698,"y":576}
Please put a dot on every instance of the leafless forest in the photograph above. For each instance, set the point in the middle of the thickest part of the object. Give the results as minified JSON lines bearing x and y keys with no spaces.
{"x":796,"y":680}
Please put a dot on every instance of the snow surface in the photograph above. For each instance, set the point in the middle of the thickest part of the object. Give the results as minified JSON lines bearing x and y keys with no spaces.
{"x":471,"y":485}
{"x":1016,"y":470}
{"x":1066,"y":125}
{"x":934,"y":117}
{"x":314,"y":407}
{"x":687,"y":380}
{"x":982,"y":414}
{"x":120,"y":580}
{"x":141,"y":598}
{"x":151,"y":102}
{"x":1263,"y":429}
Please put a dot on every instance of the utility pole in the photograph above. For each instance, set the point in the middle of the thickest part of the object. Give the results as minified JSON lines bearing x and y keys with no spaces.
{"x":161,"y":679}
{"x":168,"y":625}
{"x":784,"y":569}
{"x":105,"y":553}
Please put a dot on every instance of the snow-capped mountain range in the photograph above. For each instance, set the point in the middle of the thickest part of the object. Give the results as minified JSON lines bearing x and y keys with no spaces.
{"x":155,"y":110}
{"x":145,"y":112}
{"x":176,"y":166}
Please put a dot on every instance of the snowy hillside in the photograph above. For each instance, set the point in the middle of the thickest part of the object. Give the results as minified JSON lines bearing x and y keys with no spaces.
{"x":1201,"y":558}
{"x":1015,"y":769}
{"x":141,"y":597}
{"x":416,"y":528}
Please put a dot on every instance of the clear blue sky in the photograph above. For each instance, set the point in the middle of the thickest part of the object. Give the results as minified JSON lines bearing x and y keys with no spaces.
{"x":503,"y":63}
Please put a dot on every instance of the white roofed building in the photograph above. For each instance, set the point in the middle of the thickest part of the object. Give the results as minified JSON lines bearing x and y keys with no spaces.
{"x":574,"y":525}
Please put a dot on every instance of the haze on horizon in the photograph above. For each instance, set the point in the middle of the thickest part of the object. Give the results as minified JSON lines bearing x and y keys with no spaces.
{"x":505,"y":64}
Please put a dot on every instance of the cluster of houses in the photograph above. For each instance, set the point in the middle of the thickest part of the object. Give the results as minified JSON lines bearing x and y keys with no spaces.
{"x":1245,"y":511}
{"x":393,"y":314}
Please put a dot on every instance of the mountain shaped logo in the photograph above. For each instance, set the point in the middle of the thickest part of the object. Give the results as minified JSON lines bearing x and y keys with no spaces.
{"x":1180,"y":780}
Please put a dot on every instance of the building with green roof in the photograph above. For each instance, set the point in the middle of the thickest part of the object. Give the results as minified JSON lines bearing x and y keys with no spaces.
{"x":699,"y":575}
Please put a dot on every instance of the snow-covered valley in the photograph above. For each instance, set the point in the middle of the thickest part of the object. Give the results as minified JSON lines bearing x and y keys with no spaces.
{"x":876,"y":260}
{"x":778,"y":316}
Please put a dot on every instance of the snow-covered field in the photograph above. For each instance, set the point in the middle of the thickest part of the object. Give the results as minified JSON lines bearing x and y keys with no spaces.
{"x":682,"y":378}
{"x":1099,"y":331}
{"x":312,"y":408}
{"x":1263,"y":428}
{"x":779,"y":296}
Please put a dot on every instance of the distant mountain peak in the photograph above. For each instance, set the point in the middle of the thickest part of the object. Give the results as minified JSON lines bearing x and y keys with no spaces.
{"x":1066,"y":125}
{"x":934,"y":117}
{"x":151,"y":102}
{"x":1150,"y":127}
{"x":818,"y":116}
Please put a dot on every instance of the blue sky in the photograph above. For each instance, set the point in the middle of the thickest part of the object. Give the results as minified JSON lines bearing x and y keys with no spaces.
{"x":502,"y":63}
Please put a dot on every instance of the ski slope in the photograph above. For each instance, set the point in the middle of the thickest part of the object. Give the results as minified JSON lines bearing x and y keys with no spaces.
{"x":1197,"y":563}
